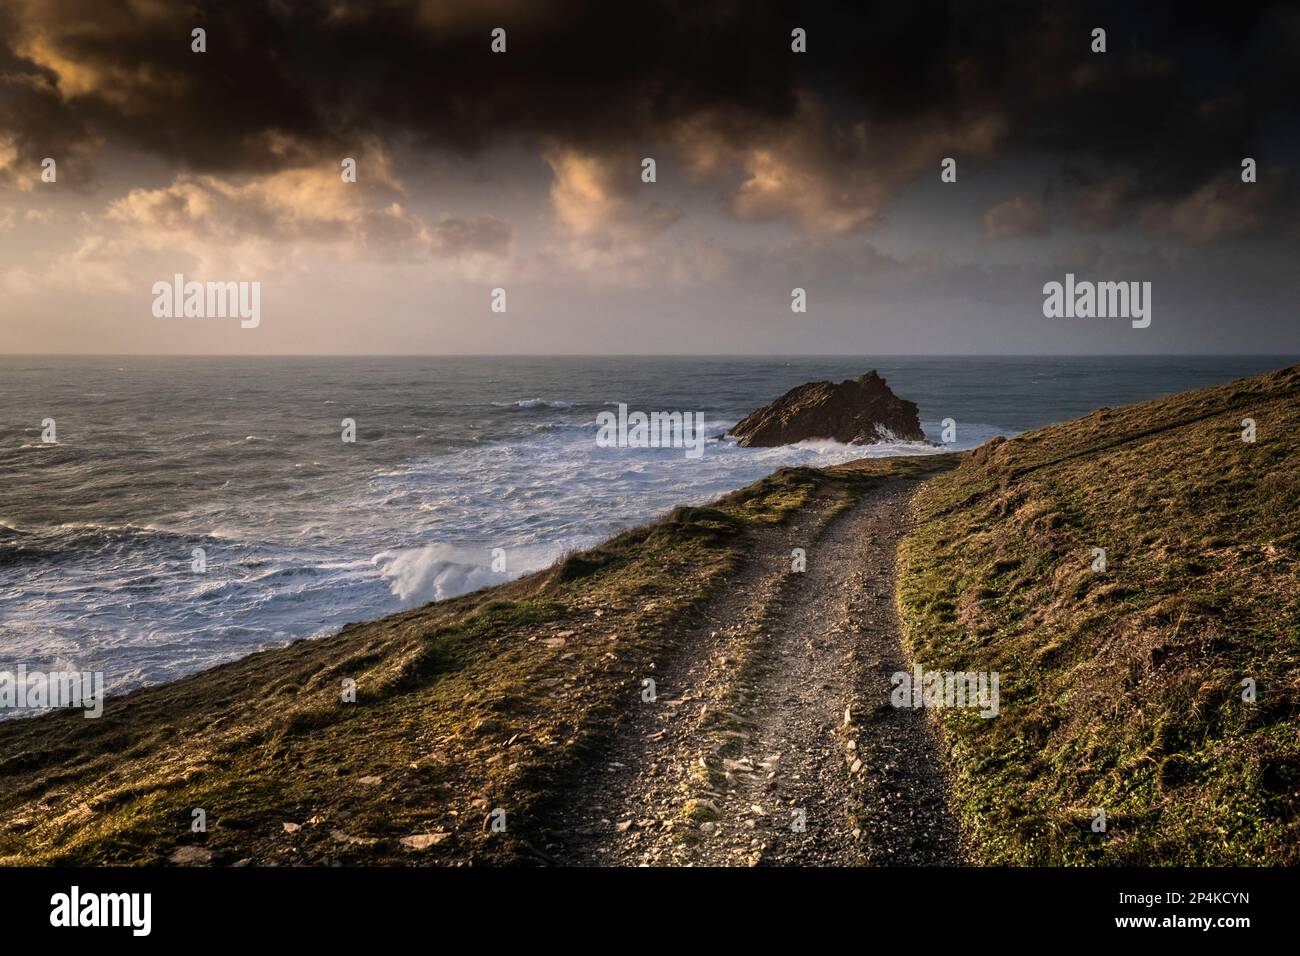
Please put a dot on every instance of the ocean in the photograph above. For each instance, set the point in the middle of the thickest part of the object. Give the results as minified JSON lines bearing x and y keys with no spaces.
{"x":456,"y":461}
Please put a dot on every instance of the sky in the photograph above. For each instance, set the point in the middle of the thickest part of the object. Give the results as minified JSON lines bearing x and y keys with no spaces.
{"x":522,"y":170}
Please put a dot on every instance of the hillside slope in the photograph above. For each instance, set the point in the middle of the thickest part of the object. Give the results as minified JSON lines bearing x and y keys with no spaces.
{"x":1122,"y":690}
{"x":488,"y":702}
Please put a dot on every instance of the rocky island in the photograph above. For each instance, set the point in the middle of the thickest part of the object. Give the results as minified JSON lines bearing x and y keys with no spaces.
{"x":858,"y":411}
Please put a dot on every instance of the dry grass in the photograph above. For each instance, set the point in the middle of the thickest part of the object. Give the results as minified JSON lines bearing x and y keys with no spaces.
{"x":1122,"y":690}
{"x":464,"y":706}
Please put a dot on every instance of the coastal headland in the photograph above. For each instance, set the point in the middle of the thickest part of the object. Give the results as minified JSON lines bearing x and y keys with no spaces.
{"x":715,"y":687}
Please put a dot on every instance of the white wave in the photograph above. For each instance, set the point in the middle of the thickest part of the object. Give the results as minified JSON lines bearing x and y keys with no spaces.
{"x":437,"y":571}
{"x":555,"y":492}
{"x":407,"y":533}
{"x":533,"y":403}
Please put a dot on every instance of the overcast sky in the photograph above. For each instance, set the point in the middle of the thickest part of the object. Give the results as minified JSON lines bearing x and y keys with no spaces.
{"x":522,"y":170}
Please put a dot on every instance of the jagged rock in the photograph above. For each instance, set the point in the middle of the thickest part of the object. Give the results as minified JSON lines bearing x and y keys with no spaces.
{"x":858,"y":411}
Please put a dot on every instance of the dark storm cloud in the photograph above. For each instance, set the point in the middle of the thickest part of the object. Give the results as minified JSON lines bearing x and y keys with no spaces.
{"x":1178,"y":99}
{"x":1181,"y":96}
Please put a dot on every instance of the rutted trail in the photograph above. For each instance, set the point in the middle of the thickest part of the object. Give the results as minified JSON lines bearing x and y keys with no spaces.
{"x":746,"y":757}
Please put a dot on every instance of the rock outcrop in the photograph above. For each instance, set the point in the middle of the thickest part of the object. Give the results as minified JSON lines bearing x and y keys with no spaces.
{"x":857,"y":412}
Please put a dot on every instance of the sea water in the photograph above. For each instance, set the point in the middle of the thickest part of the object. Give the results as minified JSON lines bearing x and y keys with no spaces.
{"x":465,"y":472}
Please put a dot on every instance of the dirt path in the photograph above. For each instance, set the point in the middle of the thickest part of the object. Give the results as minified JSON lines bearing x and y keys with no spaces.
{"x":745,"y":757}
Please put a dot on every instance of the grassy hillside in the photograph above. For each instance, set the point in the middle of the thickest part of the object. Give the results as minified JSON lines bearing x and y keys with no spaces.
{"x":465,"y":706}
{"x":1122,"y":690}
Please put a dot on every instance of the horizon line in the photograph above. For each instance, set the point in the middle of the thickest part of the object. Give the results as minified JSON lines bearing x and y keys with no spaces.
{"x":676,"y":355}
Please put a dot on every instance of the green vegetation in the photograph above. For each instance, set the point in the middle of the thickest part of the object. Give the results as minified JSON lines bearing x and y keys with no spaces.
{"x":1122,"y":690}
{"x":463,"y":706}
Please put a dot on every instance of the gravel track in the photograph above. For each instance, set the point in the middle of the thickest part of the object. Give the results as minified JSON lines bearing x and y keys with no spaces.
{"x":771,"y":740}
